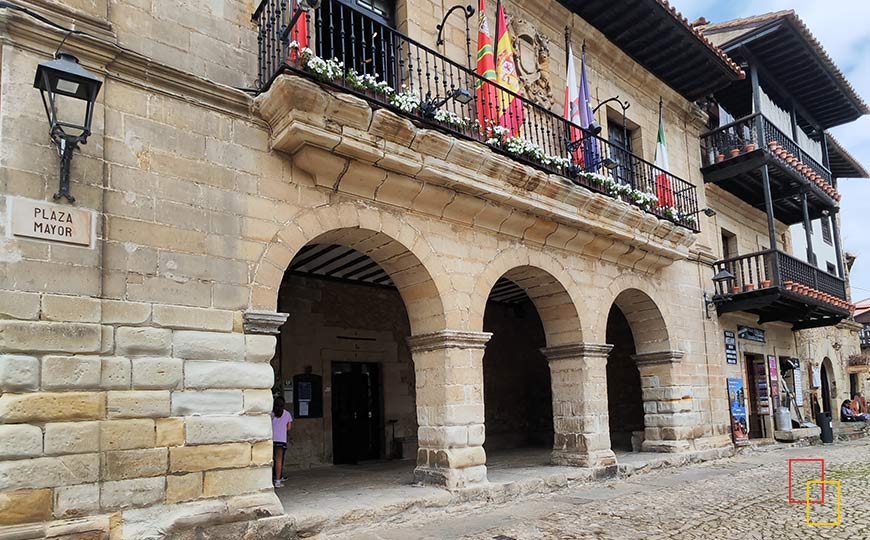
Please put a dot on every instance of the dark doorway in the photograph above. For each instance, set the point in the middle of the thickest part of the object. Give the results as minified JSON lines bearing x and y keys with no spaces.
{"x":756,"y":379}
{"x":826,"y":390}
{"x":624,"y":394}
{"x":518,"y":402}
{"x":853,"y":385}
{"x":356,"y":416}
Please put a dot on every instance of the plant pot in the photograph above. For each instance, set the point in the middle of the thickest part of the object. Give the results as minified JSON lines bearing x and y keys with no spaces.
{"x":735,"y":289}
{"x":735,"y":152}
{"x":749,"y":287}
{"x":720,"y":158}
{"x":749,"y":148}
{"x":765,"y":283}
{"x":772,"y":144}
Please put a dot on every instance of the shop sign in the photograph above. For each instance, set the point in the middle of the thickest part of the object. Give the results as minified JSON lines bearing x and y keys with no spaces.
{"x":798,"y":383}
{"x":730,"y":347}
{"x":774,"y":380}
{"x":737,"y":402}
{"x":51,"y":222}
{"x":750,"y":334}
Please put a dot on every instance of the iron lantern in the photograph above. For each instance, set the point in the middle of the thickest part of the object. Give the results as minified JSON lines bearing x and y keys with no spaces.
{"x":65,"y":84}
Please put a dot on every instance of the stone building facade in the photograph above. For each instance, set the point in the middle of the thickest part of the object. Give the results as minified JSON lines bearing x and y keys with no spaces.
{"x":135,"y":370}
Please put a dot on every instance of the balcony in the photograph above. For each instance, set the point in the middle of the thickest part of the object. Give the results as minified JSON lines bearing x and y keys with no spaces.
{"x":733,"y":156}
{"x":357,"y":54}
{"x":778,"y":287}
{"x":864,"y":336}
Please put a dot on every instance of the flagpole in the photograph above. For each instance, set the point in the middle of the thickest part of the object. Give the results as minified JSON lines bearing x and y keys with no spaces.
{"x":497,"y":28}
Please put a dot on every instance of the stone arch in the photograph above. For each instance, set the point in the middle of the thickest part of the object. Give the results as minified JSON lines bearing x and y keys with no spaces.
{"x":394,"y":244}
{"x":547,"y":284}
{"x":635,"y":298}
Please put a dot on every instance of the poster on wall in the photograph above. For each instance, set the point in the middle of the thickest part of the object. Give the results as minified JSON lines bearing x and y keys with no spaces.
{"x":774,"y":380}
{"x":798,"y":384}
{"x":737,"y":404}
{"x":817,"y":377}
{"x":730,"y":347}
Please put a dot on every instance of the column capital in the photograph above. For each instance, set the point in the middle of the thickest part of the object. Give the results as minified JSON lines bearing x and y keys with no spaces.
{"x":659,"y":357}
{"x":263,"y":322}
{"x":448,"y":339}
{"x":577,"y":350}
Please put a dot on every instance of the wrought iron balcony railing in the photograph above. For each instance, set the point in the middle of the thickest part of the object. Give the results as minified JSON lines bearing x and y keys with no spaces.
{"x":773,"y":268}
{"x":756,"y":132}
{"x":353,"y":51}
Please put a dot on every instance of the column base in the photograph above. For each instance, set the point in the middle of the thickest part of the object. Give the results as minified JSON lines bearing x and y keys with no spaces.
{"x":594,"y":459}
{"x":671,"y":447}
{"x":451,"y":479}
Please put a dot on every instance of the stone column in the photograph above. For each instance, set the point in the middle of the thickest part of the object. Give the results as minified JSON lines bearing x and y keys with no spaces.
{"x":670,"y":421}
{"x":449,"y":372}
{"x":578,"y":373}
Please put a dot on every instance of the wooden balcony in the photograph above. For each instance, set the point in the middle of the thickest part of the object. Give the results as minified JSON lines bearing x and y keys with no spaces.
{"x":733,"y":157}
{"x":778,"y":287}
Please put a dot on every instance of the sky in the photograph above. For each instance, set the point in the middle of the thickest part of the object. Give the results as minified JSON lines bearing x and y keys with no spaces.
{"x":843,"y":28}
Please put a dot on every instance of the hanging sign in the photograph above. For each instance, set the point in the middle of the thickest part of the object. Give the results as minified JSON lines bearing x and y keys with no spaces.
{"x":798,"y":383}
{"x":52,"y":222}
{"x":816,"y":381}
{"x":750,"y":334}
{"x":774,"y":380}
{"x":730,"y":347}
{"x":737,"y":402}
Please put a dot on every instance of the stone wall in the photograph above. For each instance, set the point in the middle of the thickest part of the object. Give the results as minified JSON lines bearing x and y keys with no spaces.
{"x":136,"y":390}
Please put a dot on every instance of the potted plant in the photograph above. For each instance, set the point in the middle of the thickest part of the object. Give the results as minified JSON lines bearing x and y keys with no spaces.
{"x":748,"y":287}
{"x":735,"y":289}
{"x":772,"y":144}
{"x":765,"y":283}
{"x":720,"y":157}
{"x":735,"y":152}
{"x":749,"y":147}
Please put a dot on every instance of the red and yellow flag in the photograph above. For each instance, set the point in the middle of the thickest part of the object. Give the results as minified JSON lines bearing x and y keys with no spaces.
{"x":299,"y":32}
{"x":511,"y":111}
{"x":487,"y":96}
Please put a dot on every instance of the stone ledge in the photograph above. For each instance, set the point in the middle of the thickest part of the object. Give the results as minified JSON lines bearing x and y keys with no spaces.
{"x":449,"y":339}
{"x":264,"y":322}
{"x":660,"y":357}
{"x":797,"y":434}
{"x":349,"y":160}
{"x":577,"y":350}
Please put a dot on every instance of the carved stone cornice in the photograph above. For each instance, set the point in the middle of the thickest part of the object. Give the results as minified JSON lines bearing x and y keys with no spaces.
{"x":346,"y":146}
{"x":577,"y":350}
{"x":263,"y":322}
{"x":659,"y":357}
{"x":449,"y":339}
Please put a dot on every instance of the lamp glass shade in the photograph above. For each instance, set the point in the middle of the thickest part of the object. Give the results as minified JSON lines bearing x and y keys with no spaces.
{"x":69,"y":92}
{"x":723,"y":276}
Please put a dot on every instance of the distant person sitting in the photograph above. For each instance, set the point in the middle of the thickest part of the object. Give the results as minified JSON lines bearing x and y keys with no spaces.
{"x":848,"y":415}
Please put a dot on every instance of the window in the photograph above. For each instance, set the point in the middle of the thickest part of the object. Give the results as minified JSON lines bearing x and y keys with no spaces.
{"x":831,"y":268}
{"x":826,"y":230}
{"x":360,"y":34}
{"x":621,"y":139}
{"x":729,"y":244}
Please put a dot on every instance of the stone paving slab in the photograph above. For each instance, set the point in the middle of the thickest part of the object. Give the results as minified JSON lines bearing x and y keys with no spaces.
{"x":739,"y":497}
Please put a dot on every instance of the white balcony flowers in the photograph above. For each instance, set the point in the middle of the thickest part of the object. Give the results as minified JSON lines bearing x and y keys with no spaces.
{"x":408,"y":100}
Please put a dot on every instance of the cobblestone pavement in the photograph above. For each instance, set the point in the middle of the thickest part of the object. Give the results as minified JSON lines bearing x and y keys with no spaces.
{"x":743,"y":497}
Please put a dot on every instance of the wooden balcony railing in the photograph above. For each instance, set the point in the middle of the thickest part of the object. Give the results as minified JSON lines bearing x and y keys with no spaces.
{"x":353,"y":51}
{"x":773,"y":268}
{"x":756,"y":132}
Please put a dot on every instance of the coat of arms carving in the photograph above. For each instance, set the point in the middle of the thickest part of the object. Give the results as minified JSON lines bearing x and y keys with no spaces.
{"x":532,"y":56}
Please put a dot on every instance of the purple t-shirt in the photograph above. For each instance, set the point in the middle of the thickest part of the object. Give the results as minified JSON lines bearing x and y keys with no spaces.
{"x":279,"y":426}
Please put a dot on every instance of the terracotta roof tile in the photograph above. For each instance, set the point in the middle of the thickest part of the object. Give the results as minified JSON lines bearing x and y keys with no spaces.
{"x":679,"y":16}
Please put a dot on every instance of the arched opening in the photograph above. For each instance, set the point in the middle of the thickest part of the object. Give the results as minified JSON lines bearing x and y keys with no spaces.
{"x":527,"y":310}
{"x":343,"y":363}
{"x":639,"y":338}
{"x":624,"y":394}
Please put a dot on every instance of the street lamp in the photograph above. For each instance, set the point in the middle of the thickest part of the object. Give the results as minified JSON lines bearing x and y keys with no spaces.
{"x":62,"y":81}
{"x":431,"y":105}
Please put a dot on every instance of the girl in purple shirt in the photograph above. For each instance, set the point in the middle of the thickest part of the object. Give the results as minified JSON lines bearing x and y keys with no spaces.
{"x":282,"y":421}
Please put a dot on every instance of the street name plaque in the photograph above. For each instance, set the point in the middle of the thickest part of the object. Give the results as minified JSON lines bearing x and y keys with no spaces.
{"x":51,"y":222}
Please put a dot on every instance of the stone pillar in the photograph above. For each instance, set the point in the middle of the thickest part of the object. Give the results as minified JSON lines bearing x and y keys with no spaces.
{"x":670,"y":421}
{"x":449,"y":372}
{"x":579,"y":381}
